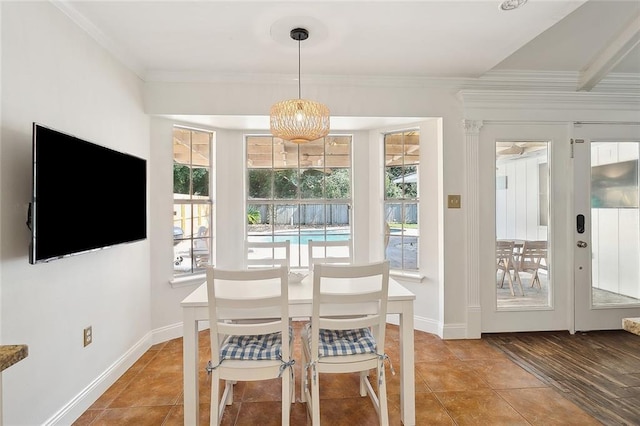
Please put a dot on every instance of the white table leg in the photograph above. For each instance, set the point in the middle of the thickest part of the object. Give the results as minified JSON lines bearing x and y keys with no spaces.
{"x":190,"y":365}
{"x":407,"y":378}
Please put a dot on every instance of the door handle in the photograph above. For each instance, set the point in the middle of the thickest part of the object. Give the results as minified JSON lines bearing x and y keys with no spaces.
{"x":581,"y":244}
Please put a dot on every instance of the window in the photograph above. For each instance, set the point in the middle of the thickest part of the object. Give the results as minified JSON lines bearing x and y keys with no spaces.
{"x":192,"y":200}
{"x":402,"y":233}
{"x":298,"y":192}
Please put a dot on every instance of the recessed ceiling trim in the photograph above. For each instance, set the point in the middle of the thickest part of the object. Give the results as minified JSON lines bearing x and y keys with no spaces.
{"x":608,"y":58}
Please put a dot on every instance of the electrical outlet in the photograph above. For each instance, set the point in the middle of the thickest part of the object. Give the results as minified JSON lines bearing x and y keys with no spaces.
{"x":454,"y":201}
{"x":88,"y":336}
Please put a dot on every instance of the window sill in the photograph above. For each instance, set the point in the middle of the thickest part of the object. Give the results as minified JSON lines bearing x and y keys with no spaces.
{"x":187,"y":281}
{"x":190,"y":280}
{"x":407,"y":276}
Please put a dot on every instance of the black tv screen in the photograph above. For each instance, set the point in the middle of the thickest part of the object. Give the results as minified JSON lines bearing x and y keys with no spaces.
{"x":85,"y":196}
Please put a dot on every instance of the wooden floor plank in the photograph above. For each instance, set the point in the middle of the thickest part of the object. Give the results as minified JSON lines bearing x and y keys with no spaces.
{"x":599,"y":371}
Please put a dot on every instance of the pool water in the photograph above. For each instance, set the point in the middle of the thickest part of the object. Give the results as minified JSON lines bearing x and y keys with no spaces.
{"x":304,"y":237}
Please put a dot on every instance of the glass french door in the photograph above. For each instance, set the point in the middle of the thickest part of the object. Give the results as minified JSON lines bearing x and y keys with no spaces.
{"x":606,"y":226}
{"x":524,"y":263}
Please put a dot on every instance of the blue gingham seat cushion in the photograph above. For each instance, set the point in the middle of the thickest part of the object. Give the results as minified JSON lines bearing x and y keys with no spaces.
{"x":253,"y":347}
{"x":343,"y":342}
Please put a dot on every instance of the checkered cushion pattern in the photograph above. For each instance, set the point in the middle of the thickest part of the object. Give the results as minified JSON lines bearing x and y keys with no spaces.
{"x":343,"y":342}
{"x":255,"y":347}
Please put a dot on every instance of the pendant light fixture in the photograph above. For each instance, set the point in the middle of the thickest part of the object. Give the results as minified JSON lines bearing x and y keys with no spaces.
{"x":299,"y":120}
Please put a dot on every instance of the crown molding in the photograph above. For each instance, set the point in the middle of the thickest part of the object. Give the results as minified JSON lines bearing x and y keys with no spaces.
{"x":515,"y":99}
{"x":546,"y":81}
{"x":94,"y":32}
{"x":566,"y":81}
{"x":320,"y":80}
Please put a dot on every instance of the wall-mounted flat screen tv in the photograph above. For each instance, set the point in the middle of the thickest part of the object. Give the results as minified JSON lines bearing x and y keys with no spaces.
{"x":85,"y":197}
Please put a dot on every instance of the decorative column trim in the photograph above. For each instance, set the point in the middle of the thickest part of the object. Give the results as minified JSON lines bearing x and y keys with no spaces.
{"x":472,"y":142}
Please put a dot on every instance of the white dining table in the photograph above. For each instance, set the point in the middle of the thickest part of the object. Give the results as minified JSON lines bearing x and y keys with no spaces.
{"x":195,"y":309}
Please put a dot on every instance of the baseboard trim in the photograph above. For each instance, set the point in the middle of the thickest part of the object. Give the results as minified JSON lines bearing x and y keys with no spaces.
{"x":454,"y":331}
{"x":71,"y":411}
{"x":169,"y":332}
{"x":426,"y":325}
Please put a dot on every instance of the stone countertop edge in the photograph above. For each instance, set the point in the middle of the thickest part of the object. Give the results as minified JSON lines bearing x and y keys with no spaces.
{"x":10,"y":354}
{"x":632,"y":325}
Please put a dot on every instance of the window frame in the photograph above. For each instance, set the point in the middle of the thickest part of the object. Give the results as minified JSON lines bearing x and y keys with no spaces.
{"x":406,"y":204}
{"x":196,"y":239}
{"x":329,"y":205}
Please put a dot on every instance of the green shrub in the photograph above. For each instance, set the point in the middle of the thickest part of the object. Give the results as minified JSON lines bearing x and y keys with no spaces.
{"x":253,"y":216}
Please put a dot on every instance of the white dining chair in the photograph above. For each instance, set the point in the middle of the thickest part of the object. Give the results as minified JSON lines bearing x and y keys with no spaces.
{"x":346,"y":333}
{"x":334,"y":252}
{"x":261,"y":254}
{"x":249,"y":351}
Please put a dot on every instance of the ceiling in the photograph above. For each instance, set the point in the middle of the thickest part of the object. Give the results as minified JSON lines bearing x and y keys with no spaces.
{"x":453,"y":39}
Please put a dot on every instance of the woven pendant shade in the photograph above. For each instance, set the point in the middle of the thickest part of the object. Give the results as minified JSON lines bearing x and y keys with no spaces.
{"x":299,"y":120}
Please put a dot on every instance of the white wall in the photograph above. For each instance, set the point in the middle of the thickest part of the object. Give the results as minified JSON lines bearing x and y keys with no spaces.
{"x":518,"y":205}
{"x":53,"y":73}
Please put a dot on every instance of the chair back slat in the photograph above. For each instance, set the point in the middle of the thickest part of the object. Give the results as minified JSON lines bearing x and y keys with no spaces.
{"x":338,"y":323}
{"x":333,"y":252}
{"x":504,"y":249}
{"x":261,"y":254}
{"x":533,"y":252}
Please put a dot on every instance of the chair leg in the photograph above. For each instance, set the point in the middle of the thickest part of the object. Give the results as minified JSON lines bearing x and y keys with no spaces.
{"x":519,"y":281}
{"x":382,"y":397}
{"x":292,"y":397}
{"x":535,"y":279}
{"x":229,"y":391}
{"x":304,"y":377}
{"x":508,"y":274}
{"x":315,"y":397}
{"x":286,"y":397}
{"x":214,"y":412}
{"x":504,"y":272}
{"x":363,"y":386}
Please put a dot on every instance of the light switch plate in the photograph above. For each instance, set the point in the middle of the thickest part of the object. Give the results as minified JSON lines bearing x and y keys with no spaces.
{"x":453,"y":201}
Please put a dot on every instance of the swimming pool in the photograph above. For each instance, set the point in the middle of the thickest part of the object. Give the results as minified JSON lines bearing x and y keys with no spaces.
{"x":305,"y":235}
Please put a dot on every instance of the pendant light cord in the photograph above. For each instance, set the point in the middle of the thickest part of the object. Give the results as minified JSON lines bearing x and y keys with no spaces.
{"x":299,"y":84}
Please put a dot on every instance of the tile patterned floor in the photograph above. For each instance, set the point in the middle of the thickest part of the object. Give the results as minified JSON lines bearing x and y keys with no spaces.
{"x":458,"y":382}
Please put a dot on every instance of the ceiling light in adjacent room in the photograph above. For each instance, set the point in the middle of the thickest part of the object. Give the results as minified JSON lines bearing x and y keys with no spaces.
{"x":511,"y":4}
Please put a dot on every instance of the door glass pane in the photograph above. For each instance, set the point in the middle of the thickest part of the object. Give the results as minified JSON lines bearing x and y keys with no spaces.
{"x":615,"y":236}
{"x":522,"y":225}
